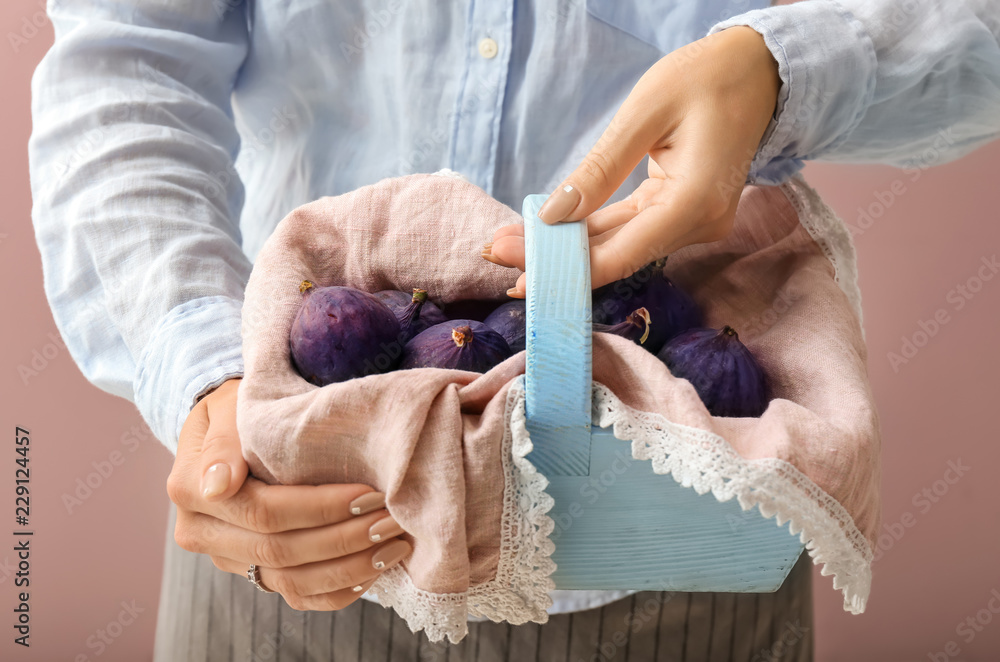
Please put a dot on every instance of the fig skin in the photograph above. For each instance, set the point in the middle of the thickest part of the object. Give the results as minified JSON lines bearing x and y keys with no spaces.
{"x":399,"y":301}
{"x":341,"y":333}
{"x":462,"y":344}
{"x":634,"y":328}
{"x":671,"y":309}
{"x":722,"y":370}
{"x":510,"y":320}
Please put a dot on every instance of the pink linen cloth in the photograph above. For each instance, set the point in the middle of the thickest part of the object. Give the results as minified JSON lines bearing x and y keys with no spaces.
{"x":439,"y":442}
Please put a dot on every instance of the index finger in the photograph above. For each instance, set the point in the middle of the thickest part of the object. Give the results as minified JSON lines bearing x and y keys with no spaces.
{"x":274,"y":508}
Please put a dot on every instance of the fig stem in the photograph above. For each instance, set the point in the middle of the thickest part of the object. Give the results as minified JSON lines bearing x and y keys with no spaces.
{"x":641,"y":314}
{"x":462,"y":335}
{"x":730,"y":331}
{"x":419,"y":295}
{"x":305,"y":286}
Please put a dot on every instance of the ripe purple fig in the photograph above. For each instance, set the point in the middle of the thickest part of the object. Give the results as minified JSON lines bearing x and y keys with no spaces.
{"x":635,"y":327}
{"x":340,"y":333}
{"x":722,"y":370}
{"x":671,"y":309}
{"x":398,"y":303}
{"x":510,"y":321}
{"x":456,"y":345}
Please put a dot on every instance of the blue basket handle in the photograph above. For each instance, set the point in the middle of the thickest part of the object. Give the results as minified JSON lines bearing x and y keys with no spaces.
{"x":558,"y":364}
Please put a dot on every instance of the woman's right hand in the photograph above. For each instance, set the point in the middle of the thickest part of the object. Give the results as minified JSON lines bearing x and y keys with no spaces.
{"x":319,"y":546}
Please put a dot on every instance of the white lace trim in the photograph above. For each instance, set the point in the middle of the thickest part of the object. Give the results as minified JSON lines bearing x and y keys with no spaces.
{"x":706,"y":462}
{"x":440,"y":615}
{"x":520,"y":590}
{"x":831,"y":235}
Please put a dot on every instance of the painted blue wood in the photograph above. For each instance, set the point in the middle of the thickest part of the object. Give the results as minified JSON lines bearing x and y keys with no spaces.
{"x":626,"y":527}
{"x":558,"y":379}
{"x":618,"y":524}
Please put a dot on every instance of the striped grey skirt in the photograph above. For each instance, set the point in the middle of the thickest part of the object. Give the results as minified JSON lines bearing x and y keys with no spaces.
{"x":207,"y":615}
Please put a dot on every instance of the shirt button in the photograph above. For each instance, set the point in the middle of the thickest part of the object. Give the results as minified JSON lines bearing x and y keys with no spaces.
{"x":488,"y":48}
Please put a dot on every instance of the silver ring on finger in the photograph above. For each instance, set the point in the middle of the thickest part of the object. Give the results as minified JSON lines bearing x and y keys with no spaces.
{"x":253,"y":574}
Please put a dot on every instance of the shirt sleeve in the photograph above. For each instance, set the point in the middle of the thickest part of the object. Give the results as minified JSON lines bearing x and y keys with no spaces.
{"x":910,"y":83}
{"x":135,"y":199}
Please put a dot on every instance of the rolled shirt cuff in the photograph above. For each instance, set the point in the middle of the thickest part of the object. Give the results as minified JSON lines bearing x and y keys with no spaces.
{"x":827,"y":64}
{"x":195,"y":348}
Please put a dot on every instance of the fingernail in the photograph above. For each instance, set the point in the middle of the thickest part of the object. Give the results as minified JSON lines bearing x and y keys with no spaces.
{"x":216,"y":480}
{"x":386,"y":527}
{"x":366,"y":503}
{"x":515,"y":293}
{"x":559,"y":205}
{"x":361,"y":588}
{"x":390,"y":554}
{"x":487,"y":254}
{"x":490,"y":257}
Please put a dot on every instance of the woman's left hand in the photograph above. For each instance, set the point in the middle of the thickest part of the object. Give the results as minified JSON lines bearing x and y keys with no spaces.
{"x":700,"y":113}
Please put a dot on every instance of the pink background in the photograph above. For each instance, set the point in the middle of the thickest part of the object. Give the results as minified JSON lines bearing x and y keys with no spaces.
{"x":929,"y":237}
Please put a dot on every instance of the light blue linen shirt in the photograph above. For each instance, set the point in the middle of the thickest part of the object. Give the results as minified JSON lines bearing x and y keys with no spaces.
{"x":171,"y":136}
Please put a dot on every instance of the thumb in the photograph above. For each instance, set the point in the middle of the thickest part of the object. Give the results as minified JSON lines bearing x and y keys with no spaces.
{"x":628,"y":138}
{"x":223,"y":469}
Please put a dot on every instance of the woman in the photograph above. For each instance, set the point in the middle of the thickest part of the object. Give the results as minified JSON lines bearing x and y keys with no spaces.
{"x":171,"y":136}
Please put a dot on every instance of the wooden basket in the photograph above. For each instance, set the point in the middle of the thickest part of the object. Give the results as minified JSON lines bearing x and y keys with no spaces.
{"x":643,"y":531}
